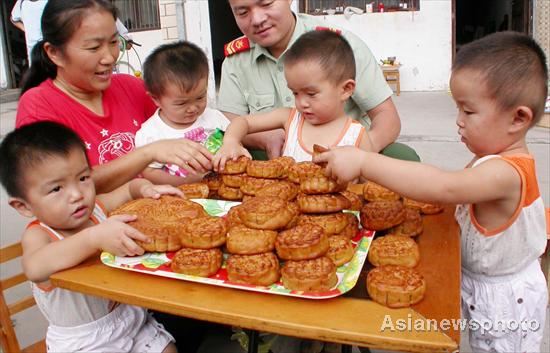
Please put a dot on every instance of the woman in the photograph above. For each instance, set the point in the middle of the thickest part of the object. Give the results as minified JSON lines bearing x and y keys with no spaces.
{"x":71,"y":82}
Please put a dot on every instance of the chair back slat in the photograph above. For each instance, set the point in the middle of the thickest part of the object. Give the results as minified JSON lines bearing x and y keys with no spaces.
{"x":10,"y":252}
{"x":13,"y":281}
{"x":8,"y":338}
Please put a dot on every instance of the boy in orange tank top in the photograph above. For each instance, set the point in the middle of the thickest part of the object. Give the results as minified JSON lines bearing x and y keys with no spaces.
{"x":499,"y":84}
{"x":46,"y":173}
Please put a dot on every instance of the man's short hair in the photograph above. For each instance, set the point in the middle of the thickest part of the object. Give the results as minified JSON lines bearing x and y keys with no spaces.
{"x":514,"y":69}
{"x":181,"y":63}
{"x":23,"y":148}
{"x":329,"y":49}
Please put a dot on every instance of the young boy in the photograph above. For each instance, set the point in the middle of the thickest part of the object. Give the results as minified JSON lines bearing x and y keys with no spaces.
{"x":176,"y":77}
{"x":322,"y":78}
{"x":47,"y":176}
{"x":499,"y":85}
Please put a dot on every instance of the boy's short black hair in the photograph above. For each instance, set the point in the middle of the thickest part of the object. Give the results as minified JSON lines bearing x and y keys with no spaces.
{"x":514,"y":69}
{"x":329,"y":49}
{"x":181,"y":63}
{"x":23,"y":148}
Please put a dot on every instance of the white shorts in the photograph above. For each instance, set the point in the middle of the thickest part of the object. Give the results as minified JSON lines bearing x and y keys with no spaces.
{"x":126,"y":329}
{"x":510,"y":310}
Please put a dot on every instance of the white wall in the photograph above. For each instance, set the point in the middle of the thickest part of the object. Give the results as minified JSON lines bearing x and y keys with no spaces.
{"x":421,"y":41}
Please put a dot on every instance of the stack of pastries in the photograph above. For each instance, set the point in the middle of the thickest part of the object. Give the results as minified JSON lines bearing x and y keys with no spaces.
{"x":394,"y":282}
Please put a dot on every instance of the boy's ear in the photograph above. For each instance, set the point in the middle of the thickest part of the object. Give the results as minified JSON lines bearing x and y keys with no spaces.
{"x":348,"y":87}
{"x":21,"y":206}
{"x":523,"y":116}
{"x":154,"y":98}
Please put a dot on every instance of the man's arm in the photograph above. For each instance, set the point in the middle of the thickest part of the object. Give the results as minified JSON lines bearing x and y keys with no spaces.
{"x":270,"y":141}
{"x":385,"y":125}
{"x":15,"y":17}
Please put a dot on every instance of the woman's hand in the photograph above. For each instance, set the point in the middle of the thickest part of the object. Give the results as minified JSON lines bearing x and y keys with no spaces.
{"x":117,"y":237}
{"x":156,"y":191}
{"x":229,"y":150}
{"x":343,"y":163}
{"x":189,"y":155}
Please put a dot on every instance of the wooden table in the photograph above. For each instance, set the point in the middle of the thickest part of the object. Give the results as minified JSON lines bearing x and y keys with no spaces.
{"x":392,"y":76}
{"x":352,"y":319}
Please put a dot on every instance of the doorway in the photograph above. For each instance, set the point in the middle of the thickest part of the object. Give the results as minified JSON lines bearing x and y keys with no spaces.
{"x":475,"y":19}
{"x":223,"y":29}
{"x":15,"y":49}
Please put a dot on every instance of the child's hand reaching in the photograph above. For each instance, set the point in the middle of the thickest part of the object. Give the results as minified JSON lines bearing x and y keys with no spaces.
{"x":229,"y":150}
{"x":117,"y":237}
{"x":156,"y":191}
{"x":189,"y":155}
{"x":343,"y":163}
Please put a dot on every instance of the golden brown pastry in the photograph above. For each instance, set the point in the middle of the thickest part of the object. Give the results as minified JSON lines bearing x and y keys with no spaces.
{"x":229,"y":193}
{"x":319,"y":185}
{"x":423,"y":207}
{"x":164,"y":236}
{"x":411,"y":226}
{"x":375,"y":192}
{"x":380,"y":215}
{"x":286,"y":162}
{"x":340,"y":250}
{"x":195,"y":190}
{"x":317,"y":150}
{"x":303,"y":170}
{"x":295,"y":211}
{"x":302,"y":242}
{"x":283,"y":189}
{"x":252,"y":185}
{"x":355,"y":200}
{"x":197,"y":262}
{"x":394,"y":250}
{"x":204,"y":233}
{"x":259,"y":269}
{"x":161,"y":220}
{"x":213,"y":180}
{"x":326,"y":203}
{"x":332,"y":223}
{"x":233,"y":216}
{"x":237,"y":166}
{"x":247,"y":241}
{"x":265,"y":169}
{"x":350,"y":231}
{"x":316,"y":275}
{"x":266,"y":212}
{"x":395,"y":286}
{"x":233,"y":180}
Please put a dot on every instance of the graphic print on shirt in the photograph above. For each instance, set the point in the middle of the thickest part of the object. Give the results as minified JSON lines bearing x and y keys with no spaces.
{"x":115,"y":146}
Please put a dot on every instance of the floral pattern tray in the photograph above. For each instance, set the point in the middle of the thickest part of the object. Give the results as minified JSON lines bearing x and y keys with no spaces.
{"x":159,"y":263}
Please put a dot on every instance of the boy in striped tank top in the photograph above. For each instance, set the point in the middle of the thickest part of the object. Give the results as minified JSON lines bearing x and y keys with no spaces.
{"x":46,"y":173}
{"x":499,"y":84}
{"x":320,"y":71}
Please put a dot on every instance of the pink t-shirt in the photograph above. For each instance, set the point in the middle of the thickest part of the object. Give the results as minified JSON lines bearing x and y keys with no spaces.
{"x":125,"y":105}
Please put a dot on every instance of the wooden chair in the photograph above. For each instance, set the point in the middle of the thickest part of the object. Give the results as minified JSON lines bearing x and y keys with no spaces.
{"x":8,"y":339}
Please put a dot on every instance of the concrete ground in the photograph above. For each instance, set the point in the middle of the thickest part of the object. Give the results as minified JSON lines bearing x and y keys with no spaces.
{"x":428,"y":125}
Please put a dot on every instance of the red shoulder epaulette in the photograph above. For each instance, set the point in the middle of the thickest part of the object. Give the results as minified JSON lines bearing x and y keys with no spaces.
{"x":335,"y":30}
{"x":236,"y":46}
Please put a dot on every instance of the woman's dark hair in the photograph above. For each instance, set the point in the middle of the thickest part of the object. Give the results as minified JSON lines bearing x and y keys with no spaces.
{"x":59,"y":21}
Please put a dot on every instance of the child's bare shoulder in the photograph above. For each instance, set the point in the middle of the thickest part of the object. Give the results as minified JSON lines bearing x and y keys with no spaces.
{"x":34,"y":237}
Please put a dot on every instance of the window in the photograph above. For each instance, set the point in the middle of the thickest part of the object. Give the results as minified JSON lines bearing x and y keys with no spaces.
{"x":138,"y":15}
{"x":323,"y":7}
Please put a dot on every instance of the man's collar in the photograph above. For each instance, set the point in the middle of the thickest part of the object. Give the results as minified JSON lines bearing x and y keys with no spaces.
{"x":259,"y":51}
